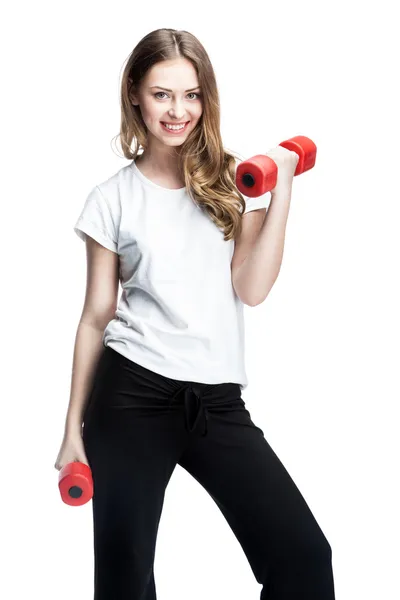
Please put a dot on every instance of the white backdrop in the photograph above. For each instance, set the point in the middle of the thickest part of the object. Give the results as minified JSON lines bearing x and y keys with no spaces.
{"x":322,"y":351}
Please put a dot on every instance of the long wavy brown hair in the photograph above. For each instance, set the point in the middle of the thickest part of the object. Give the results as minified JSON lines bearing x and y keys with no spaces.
{"x":207,"y":169}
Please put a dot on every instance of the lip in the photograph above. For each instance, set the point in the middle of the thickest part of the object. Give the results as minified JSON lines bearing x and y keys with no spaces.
{"x":180,"y":131}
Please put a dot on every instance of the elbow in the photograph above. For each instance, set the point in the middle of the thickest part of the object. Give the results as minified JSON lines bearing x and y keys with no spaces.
{"x":252,"y":300}
{"x":257,"y":301}
{"x":254,"y":297}
{"x":98,"y":320}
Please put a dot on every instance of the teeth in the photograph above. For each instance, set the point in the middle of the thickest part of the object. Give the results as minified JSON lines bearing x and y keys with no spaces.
{"x":176,"y":127}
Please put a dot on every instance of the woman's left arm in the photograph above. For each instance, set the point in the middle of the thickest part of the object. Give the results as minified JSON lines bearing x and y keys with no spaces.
{"x":260,"y":269}
{"x":258,"y":272}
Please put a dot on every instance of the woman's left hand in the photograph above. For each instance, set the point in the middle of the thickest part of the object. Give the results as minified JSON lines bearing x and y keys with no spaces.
{"x":286,"y":161}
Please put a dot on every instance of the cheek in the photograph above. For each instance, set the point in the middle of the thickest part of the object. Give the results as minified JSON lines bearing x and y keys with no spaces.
{"x":197,"y":118}
{"x":199,"y":111}
{"x":150,"y":111}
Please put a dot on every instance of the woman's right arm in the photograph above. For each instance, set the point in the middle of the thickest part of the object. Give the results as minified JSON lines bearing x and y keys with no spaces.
{"x":87,"y":351}
{"x":99,"y":308}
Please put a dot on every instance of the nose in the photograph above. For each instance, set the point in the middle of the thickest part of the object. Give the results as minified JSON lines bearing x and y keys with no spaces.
{"x":177,"y":111}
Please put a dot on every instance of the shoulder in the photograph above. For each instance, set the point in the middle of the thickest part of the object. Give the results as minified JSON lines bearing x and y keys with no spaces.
{"x":100,"y":216}
{"x":115,"y":188}
{"x":116,"y":182}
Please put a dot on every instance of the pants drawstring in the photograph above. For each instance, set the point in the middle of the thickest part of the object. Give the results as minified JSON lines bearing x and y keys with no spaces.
{"x":192,"y":396}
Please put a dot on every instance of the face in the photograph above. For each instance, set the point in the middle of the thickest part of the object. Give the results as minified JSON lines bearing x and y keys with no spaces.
{"x":158,"y":105}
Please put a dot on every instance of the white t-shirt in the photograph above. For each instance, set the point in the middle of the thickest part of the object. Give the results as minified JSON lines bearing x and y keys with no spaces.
{"x":178,"y":314}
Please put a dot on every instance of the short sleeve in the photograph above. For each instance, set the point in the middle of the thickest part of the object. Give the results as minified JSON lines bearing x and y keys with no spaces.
{"x":262,"y":201}
{"x":96,"y":220}
{"x":259,"y":202}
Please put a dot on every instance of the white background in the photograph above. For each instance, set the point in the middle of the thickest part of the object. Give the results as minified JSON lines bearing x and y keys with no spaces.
{"x":322,"y":351}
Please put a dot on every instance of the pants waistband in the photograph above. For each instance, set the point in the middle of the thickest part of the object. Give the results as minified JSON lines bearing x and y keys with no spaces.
{"x":193,"y":397}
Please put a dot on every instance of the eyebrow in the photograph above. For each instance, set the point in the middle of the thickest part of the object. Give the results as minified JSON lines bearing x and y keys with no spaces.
{"x":167,"y":90}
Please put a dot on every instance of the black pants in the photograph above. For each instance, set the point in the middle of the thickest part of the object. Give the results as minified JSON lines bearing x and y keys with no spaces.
{"x":138,"y":426}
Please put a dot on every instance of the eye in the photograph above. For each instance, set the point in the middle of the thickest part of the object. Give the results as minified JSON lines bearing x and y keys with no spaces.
{"x":158,"y":98}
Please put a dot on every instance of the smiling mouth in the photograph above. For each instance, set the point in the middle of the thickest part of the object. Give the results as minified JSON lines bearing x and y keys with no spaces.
{"x":179,"y":130}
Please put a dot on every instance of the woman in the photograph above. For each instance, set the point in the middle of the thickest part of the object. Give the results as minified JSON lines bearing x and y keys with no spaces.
{"x":157,"y":377}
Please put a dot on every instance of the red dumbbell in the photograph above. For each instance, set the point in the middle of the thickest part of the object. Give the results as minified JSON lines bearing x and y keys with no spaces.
{"x":259,"y":174}
{"x":75,"y":483}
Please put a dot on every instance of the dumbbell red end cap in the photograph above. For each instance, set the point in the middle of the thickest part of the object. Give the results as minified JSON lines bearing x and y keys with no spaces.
{"x":255,"y":175}
{"x":305,"y":148}
{"x":75,"y":483}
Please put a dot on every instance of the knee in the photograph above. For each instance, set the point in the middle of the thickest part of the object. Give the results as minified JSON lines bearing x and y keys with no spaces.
{"x":306,"y":551}
{"x":324,"y":550}
{"x":319,"y":551}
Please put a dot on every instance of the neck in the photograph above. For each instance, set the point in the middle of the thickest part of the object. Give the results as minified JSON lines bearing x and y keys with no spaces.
{"x":162,"y":163}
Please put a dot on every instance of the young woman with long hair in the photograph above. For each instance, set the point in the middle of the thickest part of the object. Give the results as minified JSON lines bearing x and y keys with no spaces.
{"x":158,"y":375}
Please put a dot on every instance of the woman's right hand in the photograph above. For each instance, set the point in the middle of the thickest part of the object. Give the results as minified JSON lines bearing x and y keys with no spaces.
{"x":72,"y":449}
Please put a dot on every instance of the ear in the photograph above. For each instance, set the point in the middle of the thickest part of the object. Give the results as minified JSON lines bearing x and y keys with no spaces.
{"x":132,"y":96}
